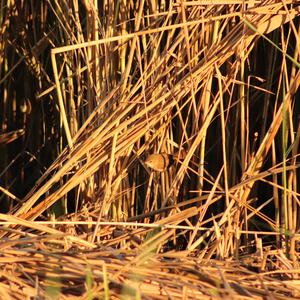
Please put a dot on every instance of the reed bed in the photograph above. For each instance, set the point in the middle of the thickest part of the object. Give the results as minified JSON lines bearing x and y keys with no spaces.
{"x":40,"y":272}
{"x":89,"y":89}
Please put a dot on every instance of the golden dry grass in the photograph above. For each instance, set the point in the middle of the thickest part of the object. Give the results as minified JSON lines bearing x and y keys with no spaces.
{"x":95,"y":89}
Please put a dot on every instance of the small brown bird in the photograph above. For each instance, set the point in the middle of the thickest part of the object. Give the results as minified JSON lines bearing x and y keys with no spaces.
{"x":161,"y":161}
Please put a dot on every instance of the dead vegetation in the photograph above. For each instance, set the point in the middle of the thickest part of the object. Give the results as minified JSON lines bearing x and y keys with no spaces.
{"x":89,"y":89}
